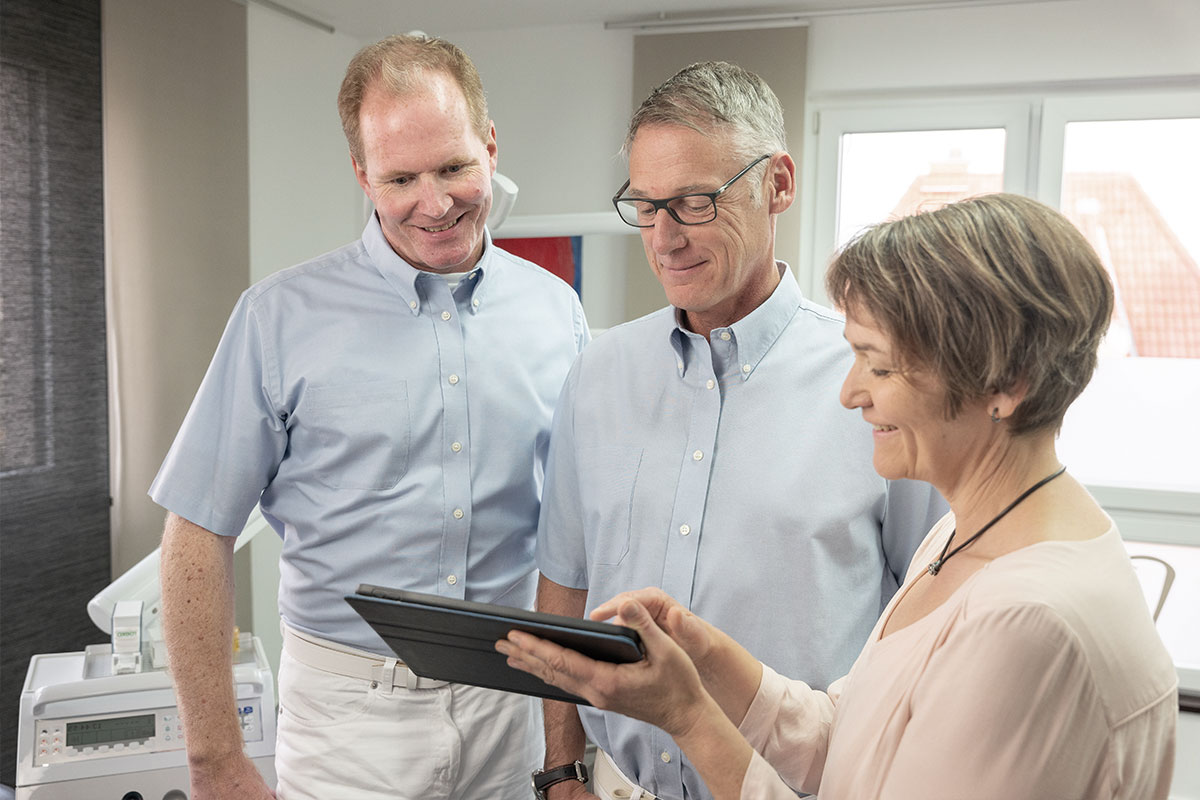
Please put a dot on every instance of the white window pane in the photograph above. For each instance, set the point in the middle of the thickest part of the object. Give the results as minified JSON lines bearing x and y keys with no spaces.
{"x":1132,"y":426}
{"x":1130,"y":186}
{"x":895,"y":173}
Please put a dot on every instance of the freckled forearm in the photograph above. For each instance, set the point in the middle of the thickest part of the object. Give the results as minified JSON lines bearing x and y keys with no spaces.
{"x":197,"y":590}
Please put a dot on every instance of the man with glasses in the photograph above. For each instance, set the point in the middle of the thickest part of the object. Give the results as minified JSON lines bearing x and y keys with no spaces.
{"x":702,"y":448}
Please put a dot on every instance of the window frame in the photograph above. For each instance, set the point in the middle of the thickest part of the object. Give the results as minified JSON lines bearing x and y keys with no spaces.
{"x":1058,"y":111}
{"x":819,"y":227}
{"x":1035,"y":119}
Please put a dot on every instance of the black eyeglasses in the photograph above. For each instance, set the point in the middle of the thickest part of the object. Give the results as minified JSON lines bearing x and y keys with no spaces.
{"x":686,"y":209}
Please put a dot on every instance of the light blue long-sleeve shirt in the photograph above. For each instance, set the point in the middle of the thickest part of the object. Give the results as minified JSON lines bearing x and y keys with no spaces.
{"x":727,"y":473}
{"x":396,"y":430}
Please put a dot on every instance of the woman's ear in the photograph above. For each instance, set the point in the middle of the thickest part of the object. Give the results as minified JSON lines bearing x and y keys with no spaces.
{"x":1002,"y":405}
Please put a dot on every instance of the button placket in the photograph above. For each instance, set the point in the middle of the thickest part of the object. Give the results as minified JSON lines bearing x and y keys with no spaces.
{"x":456,"y":462}
{"x":692,"y":489}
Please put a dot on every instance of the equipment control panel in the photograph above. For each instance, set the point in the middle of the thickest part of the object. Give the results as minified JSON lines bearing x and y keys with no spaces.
{"x":79,"y":738}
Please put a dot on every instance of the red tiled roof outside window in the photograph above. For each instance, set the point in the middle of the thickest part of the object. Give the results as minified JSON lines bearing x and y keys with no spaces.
{"x":1157,"y":281}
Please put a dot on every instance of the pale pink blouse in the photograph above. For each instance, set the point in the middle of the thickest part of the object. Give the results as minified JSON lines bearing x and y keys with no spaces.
{"x":1041,"y":677}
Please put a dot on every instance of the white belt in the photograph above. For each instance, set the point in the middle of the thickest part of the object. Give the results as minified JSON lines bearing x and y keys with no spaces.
{"x":331,"y":657}
{"x":609,"y":783}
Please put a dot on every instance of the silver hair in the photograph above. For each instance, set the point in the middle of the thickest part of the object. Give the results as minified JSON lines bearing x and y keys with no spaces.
{"x":713,"y":97}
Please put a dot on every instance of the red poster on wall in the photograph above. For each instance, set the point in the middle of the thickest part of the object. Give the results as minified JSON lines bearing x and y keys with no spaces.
{"x":557,"y":254}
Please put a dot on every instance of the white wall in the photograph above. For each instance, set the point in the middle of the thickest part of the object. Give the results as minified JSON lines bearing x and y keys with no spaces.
{"x":1003,"y":45}
{"x":304,"y":200}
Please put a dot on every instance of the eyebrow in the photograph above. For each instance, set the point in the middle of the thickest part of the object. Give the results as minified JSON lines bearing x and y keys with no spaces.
{"x":692,"y":189}
{"x":862,"y":348}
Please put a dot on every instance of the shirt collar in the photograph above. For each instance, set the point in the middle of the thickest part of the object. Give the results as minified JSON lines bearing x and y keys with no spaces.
{"x":403,"y":277}
{"x":754,"y":334}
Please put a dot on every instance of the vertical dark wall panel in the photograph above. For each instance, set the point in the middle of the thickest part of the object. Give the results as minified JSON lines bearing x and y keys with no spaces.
{"x":54,"y":501}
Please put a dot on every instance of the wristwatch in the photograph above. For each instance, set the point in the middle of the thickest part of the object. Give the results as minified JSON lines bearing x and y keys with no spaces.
{"x":543,"y":779}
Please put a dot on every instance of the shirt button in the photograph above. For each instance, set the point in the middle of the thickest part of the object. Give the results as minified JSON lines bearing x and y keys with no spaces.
{"x":456,"y":446}
{"x":453,"y":380}
{"x":685,"y":529}
{"x":445,"y":315}
{"x":412,"y":304}
{"x":696,"y":456}
{"x":475,"y":303}
{"x":666,"y":757}
{"x":725,"y":336}
{"x":458,"y":513}
{"x":452,"y":579}
{"x":679,"y":364}
{"x":711,"y":383}
{"x":745,"y":367}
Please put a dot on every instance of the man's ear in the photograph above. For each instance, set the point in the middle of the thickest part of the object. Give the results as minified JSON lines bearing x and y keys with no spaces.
{"x":360,"y":174}
{"x":493,"y":150}
{"x":781,"y":175}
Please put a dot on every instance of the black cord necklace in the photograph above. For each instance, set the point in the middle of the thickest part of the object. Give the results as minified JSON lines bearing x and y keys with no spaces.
{"x":936,"y":564}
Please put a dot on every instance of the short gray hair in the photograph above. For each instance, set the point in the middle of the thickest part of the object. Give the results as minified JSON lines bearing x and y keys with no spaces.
{"x":716,"y":96}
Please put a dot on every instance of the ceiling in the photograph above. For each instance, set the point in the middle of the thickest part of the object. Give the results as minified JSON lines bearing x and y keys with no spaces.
{"x":371,"y":19}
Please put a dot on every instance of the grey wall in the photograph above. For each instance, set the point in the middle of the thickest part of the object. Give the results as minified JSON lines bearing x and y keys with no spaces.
{"x":177,"y":216}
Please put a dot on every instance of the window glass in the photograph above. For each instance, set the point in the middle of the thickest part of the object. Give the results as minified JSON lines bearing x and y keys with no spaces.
{"x":895,"y":173}
{"x":1130,"y":186}
{"x":1129,"y":431}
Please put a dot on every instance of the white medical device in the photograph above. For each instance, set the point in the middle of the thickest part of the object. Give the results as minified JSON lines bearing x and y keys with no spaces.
{"x":504,"y":196}
{"x":87,"y":733}
{"x":140,"y":582}
{"x":104,"y":723}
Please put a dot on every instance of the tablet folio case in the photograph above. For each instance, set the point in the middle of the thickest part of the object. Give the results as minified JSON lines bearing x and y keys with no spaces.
{"x":454,"y":640}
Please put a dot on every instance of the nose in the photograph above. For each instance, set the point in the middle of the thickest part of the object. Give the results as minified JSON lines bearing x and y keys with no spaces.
{"x":434,"y":199}
{"x":853,"y":394}
{"x":667,"y":235}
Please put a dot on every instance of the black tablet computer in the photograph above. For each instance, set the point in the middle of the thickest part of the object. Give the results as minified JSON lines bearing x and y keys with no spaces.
{"x":454,"y":640}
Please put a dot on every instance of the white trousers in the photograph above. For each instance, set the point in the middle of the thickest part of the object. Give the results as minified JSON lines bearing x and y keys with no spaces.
{"x":341,"y":737}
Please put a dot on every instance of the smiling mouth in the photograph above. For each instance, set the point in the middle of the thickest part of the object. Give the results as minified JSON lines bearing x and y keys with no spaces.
{"x":679,"y":267}
{"x":884,"y":428}
{"x":445,"y":227}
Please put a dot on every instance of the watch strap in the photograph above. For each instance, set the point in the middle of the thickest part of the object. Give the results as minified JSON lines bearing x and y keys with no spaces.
{"x":543,"y":779}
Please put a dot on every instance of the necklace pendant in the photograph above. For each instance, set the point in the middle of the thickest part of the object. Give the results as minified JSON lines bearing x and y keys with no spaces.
{"x":934,"y":567}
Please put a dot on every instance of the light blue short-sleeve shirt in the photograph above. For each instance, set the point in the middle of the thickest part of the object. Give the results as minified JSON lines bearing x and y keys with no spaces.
{"x":394,"y":429}
{"x":726,"y":472}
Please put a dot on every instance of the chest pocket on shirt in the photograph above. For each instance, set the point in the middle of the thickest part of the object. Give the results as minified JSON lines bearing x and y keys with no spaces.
{"x":363,"y":431}
{"x":609,"y":474}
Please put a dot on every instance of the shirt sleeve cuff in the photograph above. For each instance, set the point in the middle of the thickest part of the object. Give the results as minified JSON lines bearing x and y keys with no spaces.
{"x":759,"y":721}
